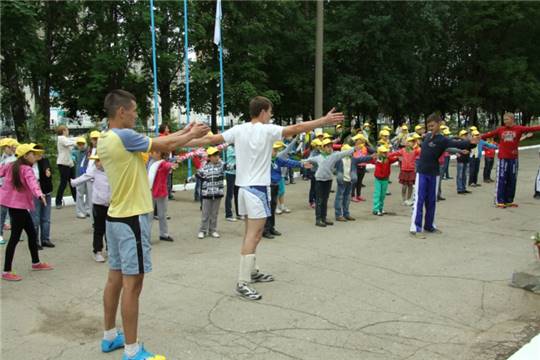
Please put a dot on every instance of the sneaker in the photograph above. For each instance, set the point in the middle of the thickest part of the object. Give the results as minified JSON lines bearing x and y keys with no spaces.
{"x":41,"y":266}
{"x":417,"y":235}
{"x":380,"y":213}
{"x":467,"y":192}
{"x":279,"y":211}
{"x":440,"y":198}
{"x":215,"y":235}
{"x":360,"y":198}
{"x":286,"y":210}
{"x":99,"y":257}
{"x":350,"y":218}
{"x":200,"y":235}
{"x":388,"y":193}
{"x":117,"y":343}
{"x":355,"y":199}
{"x":10,"y":276}
{"x":81,"y":216}
{"x":267,"y":235}
{"x":320,"y":223}
{"x":231,"y":219}
{"x":512,"y":205}
{"x":156,"y":218}
{"x":434,"y":231}
{"x":329,"y":223}
{"x":166,"y":238}
{"x":242,"y":217}
{"x":261,"y":277}
{"x":143,"y":355}
{"x":245,"y":291}
{"x":500,"y":205}
{"x":275,"y":232}
{"x":47,"y":244}
{"x":341,"y":218}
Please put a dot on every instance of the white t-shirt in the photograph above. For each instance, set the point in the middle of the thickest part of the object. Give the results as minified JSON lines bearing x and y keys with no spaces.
{"x":253,"y":148}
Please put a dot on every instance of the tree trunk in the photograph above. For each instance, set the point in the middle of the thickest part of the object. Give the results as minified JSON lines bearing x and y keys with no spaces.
{"x":165,"y":95}
{"x":17,"y":98}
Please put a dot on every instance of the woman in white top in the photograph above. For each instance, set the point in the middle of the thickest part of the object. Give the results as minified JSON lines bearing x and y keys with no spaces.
{"x":65,"y":163}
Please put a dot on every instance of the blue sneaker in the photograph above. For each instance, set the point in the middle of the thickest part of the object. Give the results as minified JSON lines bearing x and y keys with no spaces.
{"x":117,"y":343}
{"x":143,"y":355}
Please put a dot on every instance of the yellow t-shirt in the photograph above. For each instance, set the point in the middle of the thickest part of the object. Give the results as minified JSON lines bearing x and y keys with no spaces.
{"x":120,"y":152}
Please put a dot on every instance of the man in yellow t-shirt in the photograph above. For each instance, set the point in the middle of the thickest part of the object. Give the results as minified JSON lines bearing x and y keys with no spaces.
{"x":128,"y":220}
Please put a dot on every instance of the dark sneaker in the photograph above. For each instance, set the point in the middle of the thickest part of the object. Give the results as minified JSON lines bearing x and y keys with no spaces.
{"x":261,"y":277}
{"x":166,"y":238}
{"x":245,"y":291}
{"x":350,"y":218}
{"x":275,"y":232}
{"x":48,"y":244}
{"x":433,"y":231}
{"x":320,"y":223}
{"x":329,"y":223}
{"x":267,"y":235}
{"x":341,"y":218}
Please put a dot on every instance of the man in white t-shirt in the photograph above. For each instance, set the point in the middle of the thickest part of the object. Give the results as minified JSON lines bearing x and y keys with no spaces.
{"x":253,"y":148}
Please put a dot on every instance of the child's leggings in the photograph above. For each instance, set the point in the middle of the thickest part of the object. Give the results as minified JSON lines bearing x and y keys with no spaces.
{"x":21,"y":220}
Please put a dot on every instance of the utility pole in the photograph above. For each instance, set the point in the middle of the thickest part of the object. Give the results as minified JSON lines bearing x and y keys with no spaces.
{"x":319,"y":60}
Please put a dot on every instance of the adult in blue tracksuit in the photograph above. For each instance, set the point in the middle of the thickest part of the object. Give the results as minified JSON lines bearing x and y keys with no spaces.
{"x":275,"y":178}
{"x":427,"y":175}
{"x":476,"y":157}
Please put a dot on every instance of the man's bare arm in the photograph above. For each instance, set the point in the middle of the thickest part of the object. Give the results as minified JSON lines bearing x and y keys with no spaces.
{"x":179,"y":139}
{"x":331,"y":118}
{"x":206,"y":140}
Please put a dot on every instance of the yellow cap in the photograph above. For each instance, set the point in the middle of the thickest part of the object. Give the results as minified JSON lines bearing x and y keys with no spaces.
{"x":316,"y":142}
{"x":446,"y":132}
{"x":278,"y":144}
{"x":383,"y":149}
{"x":81,"y":140}
{"x":326,"y":142}
{"x":346,"y":147}
{"x":387,"y":128}
{"x":473,"y":128}
{"x":211,"y":151}
{"x":3,"y":142}
{"x":24,"y":149}
{"x":367,"y":124}
{"x":359,"y":137}
{"x":418,"y":127}
{"x":416,"y":136}
{"x":463,"y":132}
{"x":475,"y":133}
{"x":444,"y":127}
{"x":326,"y":136}
{"x":411,"y":139}
{"x":93,"y":157}
{"x":404,"y":127}
{"x":209,"y":133}
{"x":384,"y":133}
{"x":339,"y":126}
{"x":94,"y":134}
{"x":10,"y":142}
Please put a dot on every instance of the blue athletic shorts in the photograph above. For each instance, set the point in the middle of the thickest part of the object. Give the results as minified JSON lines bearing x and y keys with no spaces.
{"x":128,"y":241}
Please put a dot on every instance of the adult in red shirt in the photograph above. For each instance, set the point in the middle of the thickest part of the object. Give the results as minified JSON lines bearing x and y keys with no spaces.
{"x":507,"y":169}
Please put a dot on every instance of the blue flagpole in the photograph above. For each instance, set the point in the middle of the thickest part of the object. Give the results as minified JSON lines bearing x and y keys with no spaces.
{"x":221,"y":89}
{"x":154,"y":67}
{"x":186,"y":60}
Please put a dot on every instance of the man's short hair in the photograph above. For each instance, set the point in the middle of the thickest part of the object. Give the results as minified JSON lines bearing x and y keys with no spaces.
{"x":509,"y":114}
{"x":116,"y":99}
{"x":434,"y":117}
{"x":258,"y":104}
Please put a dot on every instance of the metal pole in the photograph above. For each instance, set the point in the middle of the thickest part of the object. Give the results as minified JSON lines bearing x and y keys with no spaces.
{"x":154,"y":67}
{"x":186,"y":61}
{"x":221,"y":89}
{"x":319,"y":60}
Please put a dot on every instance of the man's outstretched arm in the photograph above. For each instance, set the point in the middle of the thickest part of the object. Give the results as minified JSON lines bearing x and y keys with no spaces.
{"x":331,"y":118}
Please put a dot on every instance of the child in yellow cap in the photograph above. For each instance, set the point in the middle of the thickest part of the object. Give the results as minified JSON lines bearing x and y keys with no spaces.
{"x":7,"y":146}
{"x":80,"y":159}
{"x":383,"y":163}
{"x":41,"y":215}
{"x":362,"y":148}
{"x":212,"y":175}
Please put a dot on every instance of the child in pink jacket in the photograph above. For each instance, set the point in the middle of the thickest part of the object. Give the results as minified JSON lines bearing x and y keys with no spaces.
{"x":17,"y":194}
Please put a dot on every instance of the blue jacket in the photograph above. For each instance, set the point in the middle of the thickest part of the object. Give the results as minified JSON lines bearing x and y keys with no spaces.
{"x":277,"y":164}
{"x":480,"y":148}
{"x":433,"y":148}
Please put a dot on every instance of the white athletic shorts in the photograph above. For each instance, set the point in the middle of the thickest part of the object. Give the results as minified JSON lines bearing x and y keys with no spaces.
{"x":254,"y":202}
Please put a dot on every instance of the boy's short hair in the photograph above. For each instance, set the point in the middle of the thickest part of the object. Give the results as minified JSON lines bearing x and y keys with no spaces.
{"x":434,"y":117}
{"x":116,"y":99}
{"x":39,"y":147}
{"x":258,"y":104}
{"x":60,"y":129}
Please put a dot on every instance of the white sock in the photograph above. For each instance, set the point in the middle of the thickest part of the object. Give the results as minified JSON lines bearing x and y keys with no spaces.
{"x":247,"y":264}
{"x":110,"y":335}
{"x":131,"y":350}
